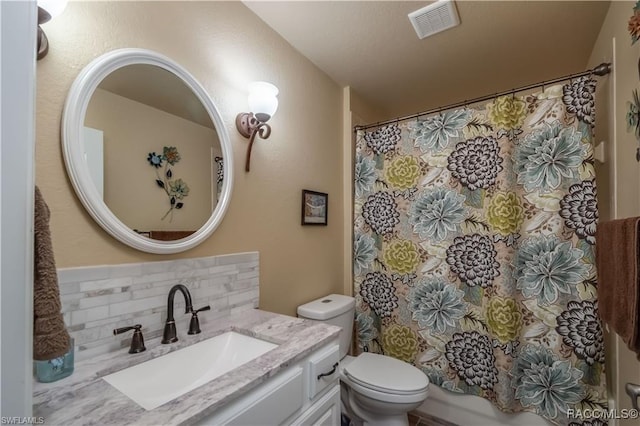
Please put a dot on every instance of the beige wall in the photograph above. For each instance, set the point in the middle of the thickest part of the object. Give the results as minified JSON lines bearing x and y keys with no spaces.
{"x":618,"y":178}
{"x":131,"y":130}
{"x":225,"y":46}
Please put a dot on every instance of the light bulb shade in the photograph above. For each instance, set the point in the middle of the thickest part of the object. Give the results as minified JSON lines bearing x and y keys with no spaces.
{"x":263,"y":100}
{"x":53,"y":7}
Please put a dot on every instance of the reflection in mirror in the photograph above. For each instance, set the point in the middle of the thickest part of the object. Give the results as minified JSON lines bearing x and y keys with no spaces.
{"x":162,"y":181}
{"x":158,"y":149}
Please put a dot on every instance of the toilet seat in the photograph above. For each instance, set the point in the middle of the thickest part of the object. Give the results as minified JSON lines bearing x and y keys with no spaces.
{"x":386,"y":379}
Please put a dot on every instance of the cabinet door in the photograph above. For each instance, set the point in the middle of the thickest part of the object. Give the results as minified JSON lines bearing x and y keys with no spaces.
{"x":323,"y":370}
{"x":271,"y":403}
{"x":328,"y":418}
{"x":325,"y":412}
{"x":275,"y":406}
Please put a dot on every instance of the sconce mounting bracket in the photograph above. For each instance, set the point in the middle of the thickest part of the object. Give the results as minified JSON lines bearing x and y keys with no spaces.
{"x":249,"y":126}
{"x":246,"y":122}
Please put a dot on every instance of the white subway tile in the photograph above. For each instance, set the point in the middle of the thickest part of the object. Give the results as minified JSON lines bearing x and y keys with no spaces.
{"x":107,"y":299}
{"x":214,"y":280}
{"x":152,"y":278}
{"x":150,"y":292}
{"x":135,"y":305}
{"x":85,"y":273}
{"x":248,"y":275}
{"x":243,"y":297}
{"x":85,"y":315}
{"x":69,"y":288}
{"x":223,"y":270}
{"x":104,"y":284}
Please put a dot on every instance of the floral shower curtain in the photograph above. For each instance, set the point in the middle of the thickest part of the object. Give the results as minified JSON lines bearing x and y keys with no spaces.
{"x":473,"y":250}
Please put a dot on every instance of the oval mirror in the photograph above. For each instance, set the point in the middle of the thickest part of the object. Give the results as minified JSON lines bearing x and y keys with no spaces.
{"x":144,"y":147}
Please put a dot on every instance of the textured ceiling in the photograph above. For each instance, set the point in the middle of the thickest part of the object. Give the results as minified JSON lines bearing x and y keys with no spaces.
{"x":499,"y":45}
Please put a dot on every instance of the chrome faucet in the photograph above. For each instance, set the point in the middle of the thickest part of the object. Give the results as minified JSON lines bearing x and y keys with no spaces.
{"x":169,"y":335}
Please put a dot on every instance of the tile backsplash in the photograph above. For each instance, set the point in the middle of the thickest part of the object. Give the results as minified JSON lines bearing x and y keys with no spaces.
{"x":97,"y":299}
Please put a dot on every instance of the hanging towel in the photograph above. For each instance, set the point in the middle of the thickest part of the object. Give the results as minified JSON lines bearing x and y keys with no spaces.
{"x":50,"y":337}
{"x":617,"y":250}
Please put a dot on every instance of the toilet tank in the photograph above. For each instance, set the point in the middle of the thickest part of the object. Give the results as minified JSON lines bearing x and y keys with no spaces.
{"x":334,"y":309}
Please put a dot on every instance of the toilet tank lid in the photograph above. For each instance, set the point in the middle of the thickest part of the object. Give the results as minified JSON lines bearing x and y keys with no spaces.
{"x":326,"y":307}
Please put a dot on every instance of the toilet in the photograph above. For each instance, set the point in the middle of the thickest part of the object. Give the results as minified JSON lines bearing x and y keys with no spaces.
{"x":375,"y":389}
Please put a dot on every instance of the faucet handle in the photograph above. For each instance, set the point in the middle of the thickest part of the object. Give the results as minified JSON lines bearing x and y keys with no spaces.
{"x":194,"y":325}
{"x":204,"y":308}
{"x":137,"y":341}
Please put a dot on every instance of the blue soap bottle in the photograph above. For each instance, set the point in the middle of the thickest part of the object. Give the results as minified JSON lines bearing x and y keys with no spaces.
{"x":57,"y":368}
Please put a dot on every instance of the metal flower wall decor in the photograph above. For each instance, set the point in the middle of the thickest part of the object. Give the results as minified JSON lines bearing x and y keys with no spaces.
{"x":634,"y":24}
{"x":633,"y":107}
{"x":633,"y":119}
{"x":176,"y":189}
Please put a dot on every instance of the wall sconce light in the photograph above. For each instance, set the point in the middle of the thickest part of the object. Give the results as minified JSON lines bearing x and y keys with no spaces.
{"x":47,"y":9}
{"x":263,"y":103}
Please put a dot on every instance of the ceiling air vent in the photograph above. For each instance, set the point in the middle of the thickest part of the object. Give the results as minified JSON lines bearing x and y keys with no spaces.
{"x":436,"y":17}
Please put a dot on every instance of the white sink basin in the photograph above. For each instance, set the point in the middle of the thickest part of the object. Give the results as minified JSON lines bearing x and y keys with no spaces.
{"x":165,"y":378}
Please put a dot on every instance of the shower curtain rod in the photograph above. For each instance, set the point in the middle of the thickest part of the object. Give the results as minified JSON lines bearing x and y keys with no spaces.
{"x":602,"y":69}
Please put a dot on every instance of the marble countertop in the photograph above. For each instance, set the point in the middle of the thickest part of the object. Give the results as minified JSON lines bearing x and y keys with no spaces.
{"x":84,"y":398}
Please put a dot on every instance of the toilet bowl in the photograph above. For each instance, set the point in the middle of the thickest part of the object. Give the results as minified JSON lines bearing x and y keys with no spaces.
{"x":381,"y":390}
{"x":376,"y":390}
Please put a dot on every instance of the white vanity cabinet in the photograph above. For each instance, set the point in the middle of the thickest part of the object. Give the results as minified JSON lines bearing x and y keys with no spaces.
{"x":305,"y":393}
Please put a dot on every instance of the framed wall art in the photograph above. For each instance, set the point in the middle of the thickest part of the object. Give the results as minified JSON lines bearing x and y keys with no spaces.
{"x":314,"y":207}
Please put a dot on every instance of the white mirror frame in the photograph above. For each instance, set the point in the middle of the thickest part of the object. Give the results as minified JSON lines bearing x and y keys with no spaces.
{"x":73,"y":118}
